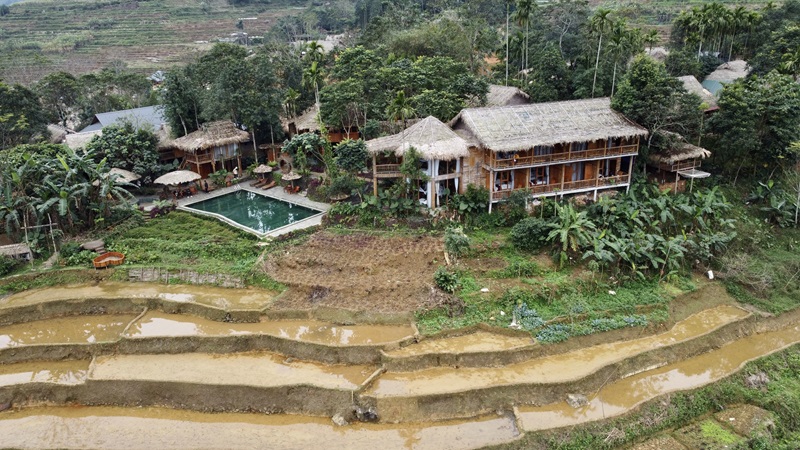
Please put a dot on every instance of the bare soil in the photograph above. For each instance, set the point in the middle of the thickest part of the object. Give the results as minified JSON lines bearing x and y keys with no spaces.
{"x":358,"y":272}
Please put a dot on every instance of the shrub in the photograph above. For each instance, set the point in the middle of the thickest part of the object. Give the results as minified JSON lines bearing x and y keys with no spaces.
{"x":7,"y":264}
{"x":70,"y":248}
{"x":456,"y":242}
{"x":446,"y":280}
{"x":530,"y":234}
{"x":82,"y":258}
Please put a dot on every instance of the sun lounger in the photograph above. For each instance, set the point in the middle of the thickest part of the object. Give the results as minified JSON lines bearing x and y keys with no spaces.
{"x":269,"y":185}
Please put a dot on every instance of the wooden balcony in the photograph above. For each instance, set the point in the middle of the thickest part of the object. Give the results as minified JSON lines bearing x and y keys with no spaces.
{"x":387,"y":171}
{"x":524,"y":161}
{"x":194,"y":158}
{"x":567,"y":188}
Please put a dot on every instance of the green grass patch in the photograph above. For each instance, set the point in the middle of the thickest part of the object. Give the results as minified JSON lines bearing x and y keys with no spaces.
{"x":183,"y":240}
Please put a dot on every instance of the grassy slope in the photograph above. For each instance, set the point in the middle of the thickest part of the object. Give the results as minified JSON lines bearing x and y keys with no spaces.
{"x":79,"y":36}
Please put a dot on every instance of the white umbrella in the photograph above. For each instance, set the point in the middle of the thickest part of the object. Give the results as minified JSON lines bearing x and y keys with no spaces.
{"x":263,"y":168}
{"x":177,"y":177}
{"x":290,"y":177}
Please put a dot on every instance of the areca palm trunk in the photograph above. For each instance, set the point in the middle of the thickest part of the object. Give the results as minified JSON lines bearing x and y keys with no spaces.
{"x":597,"y":63}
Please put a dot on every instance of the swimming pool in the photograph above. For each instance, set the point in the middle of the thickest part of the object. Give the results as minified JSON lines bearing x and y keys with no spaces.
{"x":253,"y":211}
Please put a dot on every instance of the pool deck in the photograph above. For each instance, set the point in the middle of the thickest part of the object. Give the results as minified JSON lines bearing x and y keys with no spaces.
{"x":276,"y":192}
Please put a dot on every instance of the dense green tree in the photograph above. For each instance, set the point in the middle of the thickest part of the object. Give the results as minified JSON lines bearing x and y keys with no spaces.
{"x":759,"y":118}
{"x":126,"y":147}
{"x":649,"y":96}
{"x":59,"y":93}
{"x":548,"y":79}
{"x":782,"y":48}
{"x":351,"y":155}
{"x":21,"y":116}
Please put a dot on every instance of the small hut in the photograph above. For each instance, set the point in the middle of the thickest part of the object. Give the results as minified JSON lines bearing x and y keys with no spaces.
{"x":506,"y":96}
{"x":308,"y":122}
{"x":442,"y":152}
{"x":214,"y":146}
{"x":677,"y":159}
{"x":692,"y":86}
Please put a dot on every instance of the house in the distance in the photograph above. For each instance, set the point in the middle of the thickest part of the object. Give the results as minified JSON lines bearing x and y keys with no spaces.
{"x":548,"y":149}
{"x":675,"y":161}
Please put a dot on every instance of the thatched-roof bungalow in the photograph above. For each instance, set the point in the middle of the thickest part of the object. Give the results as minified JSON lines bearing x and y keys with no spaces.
{"x":677,"y":159}
{"x":548,"y":149}
{"x":442,"y":152}
{"x":214,"y":146}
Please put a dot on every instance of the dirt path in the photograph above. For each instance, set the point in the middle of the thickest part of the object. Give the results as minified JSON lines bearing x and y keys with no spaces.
{"x":358,"y":271}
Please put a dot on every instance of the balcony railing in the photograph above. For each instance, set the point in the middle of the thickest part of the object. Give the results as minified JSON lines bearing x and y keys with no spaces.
{"x":557,"y":188}
{"x":387,"y":170}
{"x":539,"y":160}
{"x":199,"y":159}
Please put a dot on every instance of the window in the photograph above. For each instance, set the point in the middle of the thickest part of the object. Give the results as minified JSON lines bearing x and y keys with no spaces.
{"x":541,"y":150}
{"x":503,"y":180}
{"x":577,"y":171}
{"x":540,"y":175}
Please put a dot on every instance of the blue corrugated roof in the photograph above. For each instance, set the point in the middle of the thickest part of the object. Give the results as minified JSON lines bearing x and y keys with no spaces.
{"x":138,"y":117}
{"x":712,"y":86}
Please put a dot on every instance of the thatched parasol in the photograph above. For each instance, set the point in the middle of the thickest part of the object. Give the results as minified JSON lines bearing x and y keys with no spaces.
{"x":291,"y":176}
{"x":177,"y":177}
{"x":123,"y":175}
{"x":263,"y":168}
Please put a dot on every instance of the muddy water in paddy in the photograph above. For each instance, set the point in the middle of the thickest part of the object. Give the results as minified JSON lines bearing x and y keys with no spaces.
{"x":558,"y":368}
{"x":120,"y":428}
{"x":156,"y":324}
{"x":66,"y":330}
{"x":623,"y":395}
{"x":205,"y":295}
{"x":251,"y":369}
{"x":480,"y":341}
{"x":58,"y":372}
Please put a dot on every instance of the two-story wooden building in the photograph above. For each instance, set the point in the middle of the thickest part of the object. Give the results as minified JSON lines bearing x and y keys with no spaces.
{"x":548,"y":149}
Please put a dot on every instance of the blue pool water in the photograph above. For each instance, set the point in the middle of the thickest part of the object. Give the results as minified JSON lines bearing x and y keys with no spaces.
{"x":257,"y":212}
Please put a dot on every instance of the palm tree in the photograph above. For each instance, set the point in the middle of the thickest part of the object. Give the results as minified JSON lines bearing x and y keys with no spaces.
{"x":621,"y":43}
{"x":312,"y":78}
{"x":315,"y":52}
{"x":790,"y":63}
{"x":400,"y":108}
{"x":599,"y":23}
{"x":290,"y":103}
{"x":522,"y":16}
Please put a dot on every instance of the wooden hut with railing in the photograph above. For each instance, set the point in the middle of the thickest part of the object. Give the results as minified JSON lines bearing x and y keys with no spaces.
{"x":215,"y":146}
{"x":441,"y":151}
{"x":548,"y":149}
{"x":675,"y":161}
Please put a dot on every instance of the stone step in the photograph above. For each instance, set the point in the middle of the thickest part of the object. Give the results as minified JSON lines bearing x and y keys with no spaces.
{"x":448,"y":392}
{"x":89,"y":427}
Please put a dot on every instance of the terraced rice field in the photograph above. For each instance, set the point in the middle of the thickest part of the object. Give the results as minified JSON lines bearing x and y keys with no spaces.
{"x":79,"y":36}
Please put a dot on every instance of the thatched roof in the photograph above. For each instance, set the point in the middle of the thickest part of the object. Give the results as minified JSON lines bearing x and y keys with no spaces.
{"x":693,"y":86}
{"x":677,"y":150}
{"x":79,"y":140}
{"x":517,"y":128}
{"x":57,"y":133}
{"x":505,"y":95}
{"x":305,"y":121}
{"x":432,"y":138}
{"x":212,"y":134}
{"x":730,"y":71}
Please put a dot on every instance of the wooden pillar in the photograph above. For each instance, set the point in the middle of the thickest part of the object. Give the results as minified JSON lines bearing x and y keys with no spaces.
{"x":491,"y":190}
{"x":374,"y":175}
{"x":630,"y":174}
{"x":563,"y":172}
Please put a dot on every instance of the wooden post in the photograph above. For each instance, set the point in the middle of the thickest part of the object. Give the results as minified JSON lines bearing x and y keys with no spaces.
{"x":563,"y":172}
{"x":374,"y":175}
{"x":491,"y":190}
